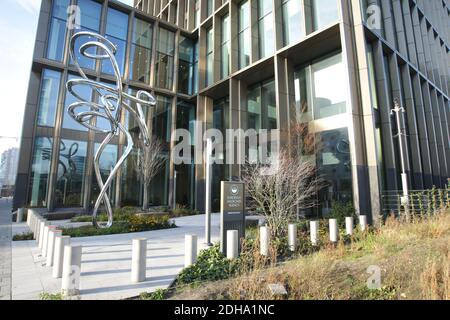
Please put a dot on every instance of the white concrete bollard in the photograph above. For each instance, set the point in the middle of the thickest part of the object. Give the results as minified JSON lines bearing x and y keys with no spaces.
{"x":45,"y":240}
{"x":42,"y":225}
{"x":314,"y":231}
{"x":70,"y":285}
{"x":264,"y":240}
{"x":19,"y":216}
{"x":34,"y":224}
{"x":190,"y":249}
{"x":139,"y":260}
{"x":29,"y":218}
{"x":51,"y":246}
{"x":349,"y":226}
{"x":334,"y":230}
{"x":292,"y":237}
{"x":232,"y":244}
{"x":58,"y":255}
{"x":363,"y":222}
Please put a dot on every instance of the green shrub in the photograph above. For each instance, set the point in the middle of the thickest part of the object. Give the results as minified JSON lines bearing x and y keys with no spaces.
{"x":181,"y":211}
{"x":140,"y":223}
{"x":50,"y":296}
{"x":159,"y":294}
{"x":135,"y":223}
{"x":23,"y":236}
{"x":341,"y":210}
{"x":211,"y":265}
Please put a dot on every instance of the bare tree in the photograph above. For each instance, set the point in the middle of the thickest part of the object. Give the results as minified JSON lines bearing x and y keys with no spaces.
{"x":149,"y":163}
{"x":288,"y":184}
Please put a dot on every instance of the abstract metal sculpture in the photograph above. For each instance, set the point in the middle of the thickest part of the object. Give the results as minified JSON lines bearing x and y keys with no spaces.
{"x":110,"y":103}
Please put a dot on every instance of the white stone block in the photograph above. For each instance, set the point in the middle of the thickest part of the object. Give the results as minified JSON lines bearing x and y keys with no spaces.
{"x":190,"y":248}
{"x":139,"y":260}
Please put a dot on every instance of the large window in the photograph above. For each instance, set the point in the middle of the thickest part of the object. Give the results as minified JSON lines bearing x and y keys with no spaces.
{"x":266,"y":28}
{"x":57,"y":36}
{"x":261,"y":112}
{"x":225,"y":47}
{"x":165,"y":59}
{"x":324,"y":12}
{"x":261,"y":106}
{"x":83,"y":91}
{"x":141,"y":51}
{"x":188,"y":66}
{"x":40,"y":169}
{"x":161,"y":119}
{"x":108,"y":161}
{"x":244,"y":34}
{"x":197,"y":13}
{"x":292,"y":21}
{"x":320,"y":89}
{"x":209,"y":7}
{"x":48,"y":99}
{"x":71,"y":173}
{"x":185,"y":185}
{"x":334,"y":164}
{"x":116,"y":32}
{"x":220,"y":171}
{"x":209,"y":56}
{"x":90,"y":12}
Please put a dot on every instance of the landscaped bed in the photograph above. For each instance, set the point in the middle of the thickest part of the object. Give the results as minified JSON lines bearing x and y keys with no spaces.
{"x":124,"y":222}
{"x":413,"y":258}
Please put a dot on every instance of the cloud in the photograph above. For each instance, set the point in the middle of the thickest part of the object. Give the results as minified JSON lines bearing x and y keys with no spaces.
{"x":31,"y":6}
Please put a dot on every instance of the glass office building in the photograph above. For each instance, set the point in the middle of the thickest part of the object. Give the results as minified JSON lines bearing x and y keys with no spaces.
{"x":335,"y":66}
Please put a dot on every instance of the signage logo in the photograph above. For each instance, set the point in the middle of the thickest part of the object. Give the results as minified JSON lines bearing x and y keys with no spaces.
{"x":234,"y":190}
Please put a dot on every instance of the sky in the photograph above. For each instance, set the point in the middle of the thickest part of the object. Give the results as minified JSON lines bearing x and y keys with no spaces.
{"x":18,"y":23}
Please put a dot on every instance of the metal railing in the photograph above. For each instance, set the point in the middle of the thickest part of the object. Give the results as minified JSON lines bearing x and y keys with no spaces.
{"x":418,"y":202}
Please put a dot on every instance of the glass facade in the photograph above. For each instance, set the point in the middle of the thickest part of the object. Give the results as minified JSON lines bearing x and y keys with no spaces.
{"x":320,"y":89}
{"x":293,"y":29}
{"x":187,"y":66}
{"x":90,"y":13}
{"x":261,"y":111}
{"x":40,"y":171}
{"x":324,"y":12}
{"x":58,"y":27}
{"x":225,"y":47}
{"x":71,"y":173}
{"x":334,"y":164}
{"x":48,"y":98}
{"x":165,"y":59}
{"x":220,"y":171}
{"x":209,"y":56}
{"x":116,"y":32}
{"x":244,"y":34}
{"x":185,"y":172}
{"x":266,"y":28}
{"x":141,"y":51}
{"x":84,"y":92}
{"x":108,"y":161}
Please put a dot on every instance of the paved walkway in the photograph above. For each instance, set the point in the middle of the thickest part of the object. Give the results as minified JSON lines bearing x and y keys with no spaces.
{"x":5,"y":249}
{"x":106,"y":262}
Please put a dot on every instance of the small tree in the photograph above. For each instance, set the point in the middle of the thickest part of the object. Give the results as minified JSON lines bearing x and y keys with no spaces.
{"x":279,"y":190}
{"x":149,"y":163}
{"x":290,"y":183}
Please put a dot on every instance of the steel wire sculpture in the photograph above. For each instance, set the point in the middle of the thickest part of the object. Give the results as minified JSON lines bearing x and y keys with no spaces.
{"x":111,"y":102}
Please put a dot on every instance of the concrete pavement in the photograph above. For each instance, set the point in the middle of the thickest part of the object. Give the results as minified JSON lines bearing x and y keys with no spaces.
{"x":5,"y":249}
{"x":106,"y":262}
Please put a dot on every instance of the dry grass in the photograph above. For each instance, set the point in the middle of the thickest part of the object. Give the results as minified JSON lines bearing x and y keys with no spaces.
{"x":414,"y":259}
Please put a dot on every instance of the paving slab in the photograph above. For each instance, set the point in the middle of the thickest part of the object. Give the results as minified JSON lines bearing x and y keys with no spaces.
{"x":106,"y":262}
{"x":5,"y":248}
